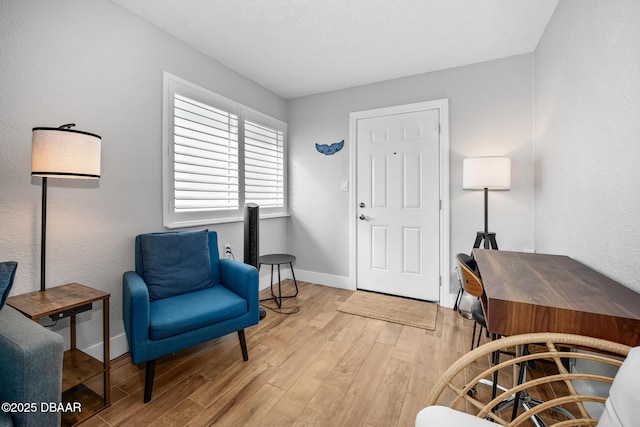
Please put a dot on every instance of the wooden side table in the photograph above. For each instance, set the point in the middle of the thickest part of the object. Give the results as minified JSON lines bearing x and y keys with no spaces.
{"x":78,"y":367}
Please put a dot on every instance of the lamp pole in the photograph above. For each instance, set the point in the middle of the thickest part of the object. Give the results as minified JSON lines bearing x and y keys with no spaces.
{"x":489,"y":238}
{"x":43,"y":238}
{"x":486,"y":214}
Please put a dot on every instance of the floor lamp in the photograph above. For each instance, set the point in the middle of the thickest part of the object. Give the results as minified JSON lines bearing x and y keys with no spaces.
{"x":61,"y":153}
{"x":486,"y":173}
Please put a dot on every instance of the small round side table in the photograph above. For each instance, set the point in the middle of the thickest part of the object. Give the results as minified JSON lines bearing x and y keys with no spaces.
{"x":277,"y":260}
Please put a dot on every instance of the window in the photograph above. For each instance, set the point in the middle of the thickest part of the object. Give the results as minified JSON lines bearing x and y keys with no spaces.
{"x":218,"y":156}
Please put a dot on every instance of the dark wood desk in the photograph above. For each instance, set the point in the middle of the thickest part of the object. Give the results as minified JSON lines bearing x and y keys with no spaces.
{"x":529,"y":292}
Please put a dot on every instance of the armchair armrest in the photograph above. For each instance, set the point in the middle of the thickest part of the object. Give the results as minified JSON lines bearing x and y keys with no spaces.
{"x":135,"y":314}
{"x":242,"y":279}
{"x":30,"y":368}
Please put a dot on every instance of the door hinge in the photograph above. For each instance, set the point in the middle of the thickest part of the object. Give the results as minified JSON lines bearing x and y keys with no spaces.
{"x":440,"y":204}
{"x":440,"y":281}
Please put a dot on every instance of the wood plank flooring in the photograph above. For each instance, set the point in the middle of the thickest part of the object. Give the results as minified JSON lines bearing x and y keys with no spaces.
{"x":316,"y":367}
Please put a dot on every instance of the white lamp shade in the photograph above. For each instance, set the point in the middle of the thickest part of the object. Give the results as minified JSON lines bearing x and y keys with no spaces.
{"x":493,"y":173}
{"x":65,"y":153}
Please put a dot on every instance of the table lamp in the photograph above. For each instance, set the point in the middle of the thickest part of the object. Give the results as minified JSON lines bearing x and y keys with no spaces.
{"x":486,"y":173}
{"x":61,"y":153}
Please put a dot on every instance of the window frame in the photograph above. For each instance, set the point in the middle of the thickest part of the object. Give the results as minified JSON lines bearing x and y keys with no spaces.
{"x":171,"y":219}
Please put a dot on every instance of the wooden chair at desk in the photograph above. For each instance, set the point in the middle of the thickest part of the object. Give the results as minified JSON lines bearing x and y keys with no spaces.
{"x":471,"y":284}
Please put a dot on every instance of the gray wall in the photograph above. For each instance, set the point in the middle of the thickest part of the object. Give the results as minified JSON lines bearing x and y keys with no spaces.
{"x":94,"y":64}
{"x":587,"y":150}
{"x":491,"y":113}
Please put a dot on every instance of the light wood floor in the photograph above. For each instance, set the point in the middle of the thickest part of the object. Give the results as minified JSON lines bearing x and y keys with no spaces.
{"x":317,"y":367}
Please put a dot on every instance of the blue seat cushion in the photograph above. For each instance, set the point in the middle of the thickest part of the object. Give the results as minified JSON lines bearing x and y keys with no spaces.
{"x":183,"y":313}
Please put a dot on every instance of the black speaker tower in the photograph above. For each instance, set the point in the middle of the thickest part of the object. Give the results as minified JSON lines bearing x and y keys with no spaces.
{"x":251,"y":234}
{"x":252,"y":239}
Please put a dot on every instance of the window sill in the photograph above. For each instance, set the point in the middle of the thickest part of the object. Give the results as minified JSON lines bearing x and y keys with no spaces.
{"x":198,"y":223}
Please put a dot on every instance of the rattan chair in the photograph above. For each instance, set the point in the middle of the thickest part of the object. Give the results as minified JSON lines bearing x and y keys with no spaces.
{"x":453,"y":401}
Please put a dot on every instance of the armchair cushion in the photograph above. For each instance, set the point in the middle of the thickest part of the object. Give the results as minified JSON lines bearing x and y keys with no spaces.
{"x":7,"y":274}
{"x":176,"y":263}
{"x":186,"y":312}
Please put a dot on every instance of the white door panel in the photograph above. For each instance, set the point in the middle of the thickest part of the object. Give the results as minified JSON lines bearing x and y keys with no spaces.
{"x":398,"y":204}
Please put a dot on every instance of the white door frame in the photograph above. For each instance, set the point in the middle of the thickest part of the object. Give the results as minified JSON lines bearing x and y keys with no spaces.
{"x":443,"y":106}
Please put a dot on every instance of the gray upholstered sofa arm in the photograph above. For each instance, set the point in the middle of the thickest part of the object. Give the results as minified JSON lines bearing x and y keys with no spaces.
{"x":30,"y":369}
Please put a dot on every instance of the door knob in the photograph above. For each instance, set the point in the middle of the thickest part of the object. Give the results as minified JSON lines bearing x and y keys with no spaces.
{"x":362,"y":217}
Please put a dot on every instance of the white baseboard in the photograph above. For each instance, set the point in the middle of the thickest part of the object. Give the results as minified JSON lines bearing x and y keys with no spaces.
{"x":330,"y":280}
{"x":306,"y":276}
{"x":117,"y":347}
{"x":450,"y":302}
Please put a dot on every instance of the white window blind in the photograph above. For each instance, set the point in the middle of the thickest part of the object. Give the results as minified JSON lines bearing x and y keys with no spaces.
{"x":263,"y":165}
{"x":206,"y":170}
{"x":219,"y":155}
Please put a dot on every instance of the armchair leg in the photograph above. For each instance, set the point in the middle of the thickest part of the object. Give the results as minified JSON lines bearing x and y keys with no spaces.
{"x":243,"y":345}
{"x":150,"y":371}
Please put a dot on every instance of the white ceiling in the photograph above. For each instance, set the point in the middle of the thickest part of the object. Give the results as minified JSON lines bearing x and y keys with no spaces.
{"x":302,"y":47}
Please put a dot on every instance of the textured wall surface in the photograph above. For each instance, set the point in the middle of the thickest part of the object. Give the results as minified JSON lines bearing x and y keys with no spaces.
{"x":587,"y":150}
{"x":94,"y":64}
{"x":490,"y":113}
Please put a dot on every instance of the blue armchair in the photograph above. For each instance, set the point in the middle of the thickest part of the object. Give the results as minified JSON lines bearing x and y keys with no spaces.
{"x":182,"y":294}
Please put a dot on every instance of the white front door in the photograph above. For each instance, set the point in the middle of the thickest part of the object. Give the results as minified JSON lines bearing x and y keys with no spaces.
{"x":398,"y":197}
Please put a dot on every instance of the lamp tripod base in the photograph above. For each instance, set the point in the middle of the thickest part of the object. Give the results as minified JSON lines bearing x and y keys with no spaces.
{"x":489,"y":240}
